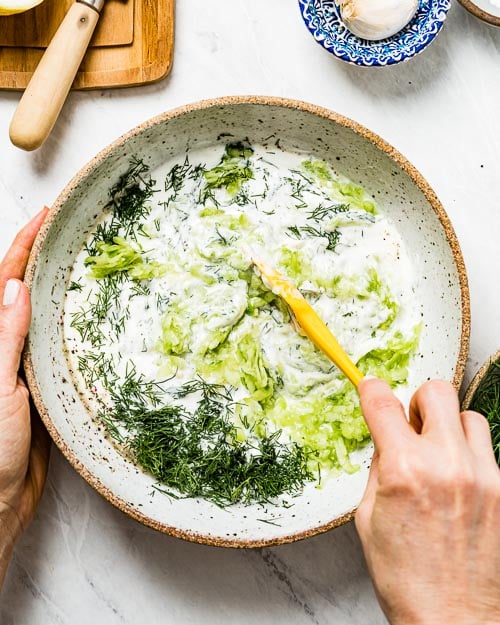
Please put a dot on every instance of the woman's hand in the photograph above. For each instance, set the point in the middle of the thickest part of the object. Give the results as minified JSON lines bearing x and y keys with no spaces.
{"x":429,"y":520}
{"x":24,"y":442}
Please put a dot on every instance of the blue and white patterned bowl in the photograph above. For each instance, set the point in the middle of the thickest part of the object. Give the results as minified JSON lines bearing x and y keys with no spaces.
{"x":322,"y":18}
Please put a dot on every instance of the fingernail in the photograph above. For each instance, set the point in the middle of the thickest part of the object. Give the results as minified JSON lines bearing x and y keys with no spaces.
{"x":369,"y":377}
{"x":11,"y":292}
{"x":44,"y":211}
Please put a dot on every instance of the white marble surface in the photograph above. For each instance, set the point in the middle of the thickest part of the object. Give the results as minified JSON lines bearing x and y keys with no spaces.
{"x":84,"y":562}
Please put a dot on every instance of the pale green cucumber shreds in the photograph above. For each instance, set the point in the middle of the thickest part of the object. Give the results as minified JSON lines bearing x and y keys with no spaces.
{"x":261,"y":414}
{"x":197,"y":454}
{"x":128,"y":205}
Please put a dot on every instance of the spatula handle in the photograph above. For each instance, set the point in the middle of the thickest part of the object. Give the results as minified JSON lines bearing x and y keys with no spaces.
{"x":46,"y":93}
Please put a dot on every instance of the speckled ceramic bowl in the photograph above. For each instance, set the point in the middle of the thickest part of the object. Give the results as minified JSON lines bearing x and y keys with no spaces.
{"x":441,"y":296}
{"x":322,"y":18}
{"x":486,"y":10}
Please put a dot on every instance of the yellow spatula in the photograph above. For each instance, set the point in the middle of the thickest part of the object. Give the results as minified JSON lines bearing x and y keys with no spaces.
{"x":308,"y":320}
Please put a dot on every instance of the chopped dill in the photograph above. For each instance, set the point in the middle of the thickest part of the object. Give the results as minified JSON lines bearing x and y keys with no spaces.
{"x":117,"y":319}
{"x":75,"y":286}
{"x":269,"y":522}
{"x":221,"y":237}
{"x":175,"y":179}
{"x":129,"y":196}
{"x":135,"y":392}
{"x":200,"y":385}
{"x":96,"y":366}
{"x":196,"y":172}
{"x":128,"y":205}
{"x":243,"y":199}
{"x":143,"y":232}
{"x":200,"y":454}
{"x":321,"y":211}
{"x":138,"y":288}
{"x":298,"y":188}
{"x":161,"y":301}
{"x":88,"y":321}
{"x":332,"y":237}
{"x":302,"y":175}
{"x":486,"y":400}
{"x":295,"y":231}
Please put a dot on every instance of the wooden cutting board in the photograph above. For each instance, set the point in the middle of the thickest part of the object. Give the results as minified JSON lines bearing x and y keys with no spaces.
{"x":35,"y":28}
{"x":110,"y":61}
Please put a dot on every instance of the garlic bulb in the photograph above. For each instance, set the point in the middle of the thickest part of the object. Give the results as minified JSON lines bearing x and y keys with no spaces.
{"x":377,"y":19}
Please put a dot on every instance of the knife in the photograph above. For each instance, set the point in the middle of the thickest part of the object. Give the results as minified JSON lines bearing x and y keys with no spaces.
{"x":49,"y":86}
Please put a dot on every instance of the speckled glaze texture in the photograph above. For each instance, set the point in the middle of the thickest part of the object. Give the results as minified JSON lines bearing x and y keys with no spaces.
{"x":486,"y":15}
{"x":478,"y":378}
{"x":403,"y":195}
{"x":322,"y":18}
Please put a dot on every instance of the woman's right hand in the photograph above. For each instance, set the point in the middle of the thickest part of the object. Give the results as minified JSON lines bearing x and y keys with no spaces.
{"x":429,"y":520}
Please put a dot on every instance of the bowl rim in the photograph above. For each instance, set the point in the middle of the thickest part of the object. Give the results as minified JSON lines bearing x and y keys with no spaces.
{"x":87,"y":169}
{"x":478,"y":378}
{"x":483,"y":15}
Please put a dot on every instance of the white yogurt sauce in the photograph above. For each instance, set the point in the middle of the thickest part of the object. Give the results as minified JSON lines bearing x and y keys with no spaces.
{"x":206,"y":296}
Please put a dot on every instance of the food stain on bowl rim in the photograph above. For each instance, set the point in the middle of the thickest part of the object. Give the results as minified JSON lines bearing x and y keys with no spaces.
{"x":325,"y":116}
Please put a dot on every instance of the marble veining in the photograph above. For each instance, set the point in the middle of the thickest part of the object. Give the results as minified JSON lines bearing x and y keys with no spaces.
{"x":82,"y":561}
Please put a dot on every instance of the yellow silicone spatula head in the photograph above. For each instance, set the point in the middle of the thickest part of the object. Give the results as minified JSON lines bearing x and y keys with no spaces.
{"x":308,"y":320}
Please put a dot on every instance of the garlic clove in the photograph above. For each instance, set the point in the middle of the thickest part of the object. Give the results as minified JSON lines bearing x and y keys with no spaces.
{"x":377,"y":19}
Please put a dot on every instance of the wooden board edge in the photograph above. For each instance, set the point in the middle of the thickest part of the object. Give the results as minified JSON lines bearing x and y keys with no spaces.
{"x":154,"y":72}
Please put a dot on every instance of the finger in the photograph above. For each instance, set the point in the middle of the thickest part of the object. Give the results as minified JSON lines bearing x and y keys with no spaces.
{"x":436,"y":405}
{"x":478,"y":436}
{"x":15,"y":315}
{"x":384,"y":414}
{"x":415,"y":420}
{"x":16,"y":259}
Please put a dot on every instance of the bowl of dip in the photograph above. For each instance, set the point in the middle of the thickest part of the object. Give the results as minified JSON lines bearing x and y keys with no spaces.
{"x":165,"y":370}
{"x":483,"y":396}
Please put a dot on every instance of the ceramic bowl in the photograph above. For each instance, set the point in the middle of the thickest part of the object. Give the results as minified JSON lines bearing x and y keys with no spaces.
{"x":486,"y":10}
{"x":468,"y":401}
{"x":322,"y":18}
{"x":478,"y":378}
{"x":441,"y":296}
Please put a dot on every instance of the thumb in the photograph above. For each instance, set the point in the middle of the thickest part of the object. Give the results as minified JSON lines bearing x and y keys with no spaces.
{"x":15,"y":316}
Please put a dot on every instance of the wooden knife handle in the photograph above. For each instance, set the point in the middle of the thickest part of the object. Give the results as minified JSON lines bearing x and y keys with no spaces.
{"x":48,"y":88}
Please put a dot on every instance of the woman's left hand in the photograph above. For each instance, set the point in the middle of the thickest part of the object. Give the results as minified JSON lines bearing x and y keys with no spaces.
{"x":24,"y":442}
